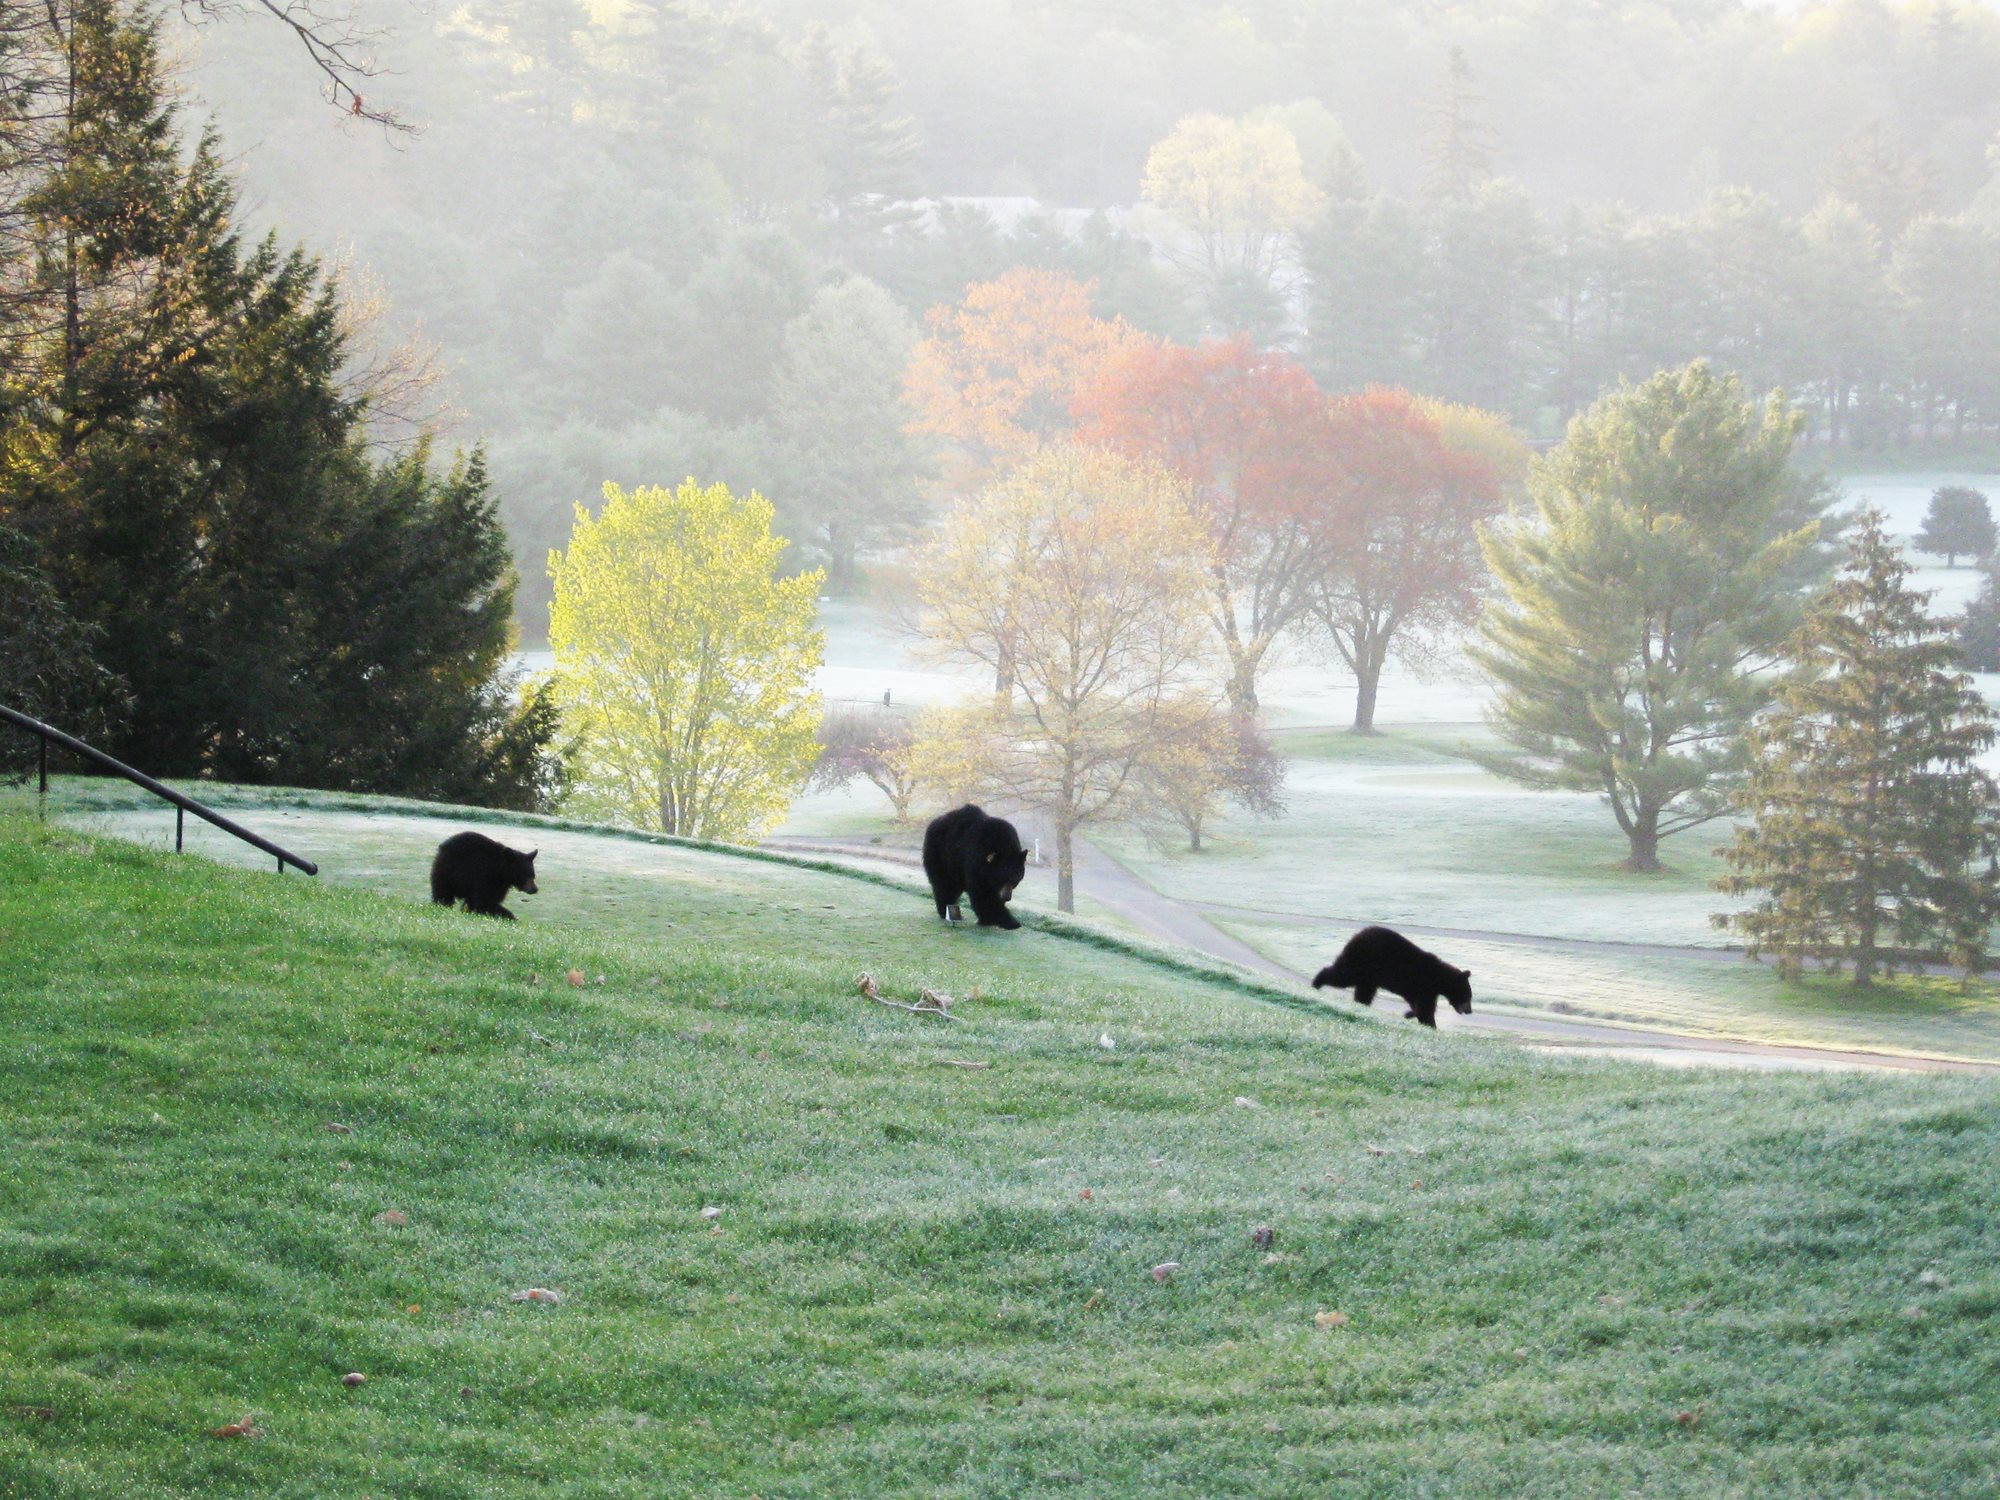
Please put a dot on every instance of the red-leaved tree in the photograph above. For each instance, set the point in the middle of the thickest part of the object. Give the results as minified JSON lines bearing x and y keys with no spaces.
{"x":1399,"y":559}
{"x":1247,"y":431}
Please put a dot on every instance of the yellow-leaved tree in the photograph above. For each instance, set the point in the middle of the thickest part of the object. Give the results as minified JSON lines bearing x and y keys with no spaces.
{"x":1237,"y":190}
{"x":1082,"y":579}
{"x":684,"y":663}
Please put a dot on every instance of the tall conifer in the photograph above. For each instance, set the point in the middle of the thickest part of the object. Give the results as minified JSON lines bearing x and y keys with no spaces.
{"x":1873,"y":828}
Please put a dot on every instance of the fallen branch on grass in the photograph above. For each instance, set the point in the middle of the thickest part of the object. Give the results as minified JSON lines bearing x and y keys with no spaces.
{"x":929,"y":1003}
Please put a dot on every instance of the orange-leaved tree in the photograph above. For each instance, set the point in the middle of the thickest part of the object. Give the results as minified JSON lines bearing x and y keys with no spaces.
{"x":999,"y":371}
{"x":1400,"y":561}
{"x":1246,"y":431}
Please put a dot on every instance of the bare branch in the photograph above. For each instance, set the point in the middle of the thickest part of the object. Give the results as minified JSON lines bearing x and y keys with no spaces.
{"x":340,"y":47}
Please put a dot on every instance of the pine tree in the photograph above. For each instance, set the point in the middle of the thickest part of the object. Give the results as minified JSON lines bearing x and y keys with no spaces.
{"x":1873,"y":826}
{"x":1959,"y":520}
{"x":1458,"y":145}
{"x":842,"y":427}
{"x":1637,"y":607}
{"x":180,"y":442}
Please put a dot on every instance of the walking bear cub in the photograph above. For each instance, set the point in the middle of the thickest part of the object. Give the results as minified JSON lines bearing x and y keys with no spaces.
{"x":967,"y":851}
{"x":1376,"y":958}
{"x":480,"y":871}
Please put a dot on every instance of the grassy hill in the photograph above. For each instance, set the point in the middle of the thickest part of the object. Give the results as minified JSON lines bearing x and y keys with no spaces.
{"x":1557,"y":1279}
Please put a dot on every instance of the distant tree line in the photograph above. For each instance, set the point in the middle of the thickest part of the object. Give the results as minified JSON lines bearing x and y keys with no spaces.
{"x":665,"y":239}
{"x":1883,"y":327}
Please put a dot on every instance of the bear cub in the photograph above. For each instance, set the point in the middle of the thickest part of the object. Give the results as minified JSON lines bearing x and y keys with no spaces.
{"x":479,"y":871}
{"x":967,"y":851}
{"x":1376,"y":958}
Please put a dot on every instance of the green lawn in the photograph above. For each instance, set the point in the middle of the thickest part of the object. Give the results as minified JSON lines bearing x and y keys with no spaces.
{"x":1560,"y":1279}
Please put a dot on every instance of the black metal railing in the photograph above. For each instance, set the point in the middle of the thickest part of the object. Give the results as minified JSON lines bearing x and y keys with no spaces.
{"x":183,"y":805}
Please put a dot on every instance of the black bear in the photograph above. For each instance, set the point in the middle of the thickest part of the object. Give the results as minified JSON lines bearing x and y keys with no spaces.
{"x":1376,"y":958}
{"x":479,"y":871}
{"x":966,"y":851}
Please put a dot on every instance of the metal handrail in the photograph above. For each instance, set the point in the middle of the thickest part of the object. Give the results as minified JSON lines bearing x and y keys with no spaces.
{"x":183,"y":804}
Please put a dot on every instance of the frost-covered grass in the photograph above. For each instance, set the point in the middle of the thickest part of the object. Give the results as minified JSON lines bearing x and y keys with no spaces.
{"x":1557,"y":1279}
{"x":1711,"y":996}
{"x":1397,"y":829}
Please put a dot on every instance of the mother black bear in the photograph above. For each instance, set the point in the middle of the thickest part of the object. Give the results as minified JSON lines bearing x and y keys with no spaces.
{"x":967,"y":851}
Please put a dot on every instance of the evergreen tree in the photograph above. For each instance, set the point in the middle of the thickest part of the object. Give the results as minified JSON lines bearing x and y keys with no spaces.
{"x":1642,"y":600}
{"x":1873,"y":828}
{"x":180,"y":441}
{"x":842,"y":423}
{"x":1959,"y":520}
{"x":1368,"y":275}
{"x":1979,"y":630}
{"x":48,"y":664}
{"x":1458,"y":145}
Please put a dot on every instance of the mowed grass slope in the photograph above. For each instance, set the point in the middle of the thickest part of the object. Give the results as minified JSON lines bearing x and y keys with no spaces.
{"x":1559,"y":1279}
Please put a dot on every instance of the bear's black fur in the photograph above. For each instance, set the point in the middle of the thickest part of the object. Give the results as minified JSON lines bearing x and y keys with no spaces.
{"x":1376,"y":958}
{"x":479,"y":871}
{"x":966,"y":851}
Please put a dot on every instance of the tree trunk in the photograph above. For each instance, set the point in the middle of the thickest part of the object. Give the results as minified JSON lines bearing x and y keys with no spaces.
{"x":1242,"y":689}
{"x":1644,"y":836}
{"x":1367,"y":682}
{"x":1194,"y":839}
{"x":1065,"y":871}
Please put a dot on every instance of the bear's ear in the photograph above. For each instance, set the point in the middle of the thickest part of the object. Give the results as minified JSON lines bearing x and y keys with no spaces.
{"x":1465,"y":973}
{"x":531,"y":855}
{"x":989,"y":857}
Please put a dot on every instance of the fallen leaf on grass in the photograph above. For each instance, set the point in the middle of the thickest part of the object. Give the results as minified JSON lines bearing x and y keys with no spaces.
{"x":1085,"y":1195}
{"x":334,"y":1127}
{"x":1165,"y":1269}
{"x":865,"y":983}
{"x":243,"y":1429}
{"x":934,"y":999}
{"x":1095,"y":1300}
{"x":537,"y":1294}
{"x":1262,"y":1236}
{"x":575,"y":978}
{"x":711,"y":1212}
{"x":392,"y":1218}
{"x":1930,"y":1279}
{"x":1689,"y":1419}
{"x":353,"y":1378}
{"x":1378,"y":1150}
{"x":1107,"y":1041}
{"x":1276,"y":1258}
{"x":970,"y":1067}
{"x":34,"y":1413}
{"x":1329,"y":1320}
{"x":1244,"y":1101}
